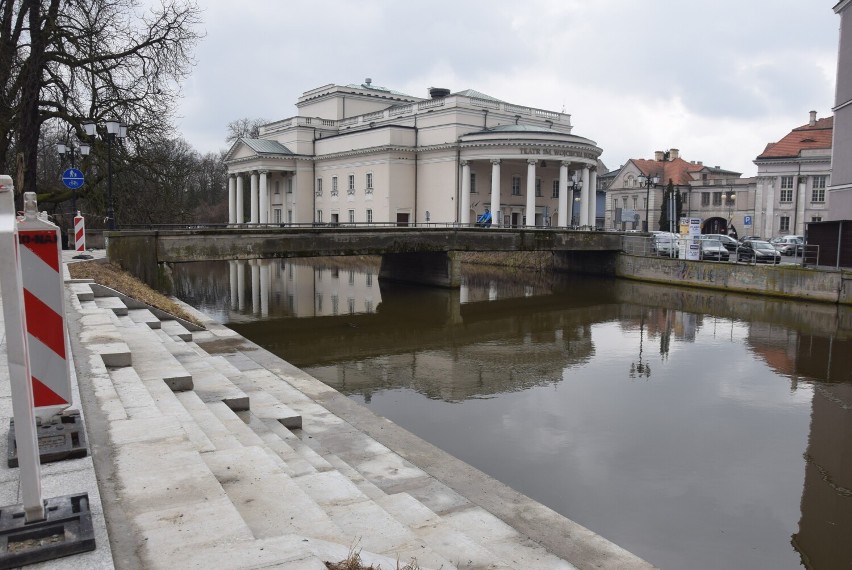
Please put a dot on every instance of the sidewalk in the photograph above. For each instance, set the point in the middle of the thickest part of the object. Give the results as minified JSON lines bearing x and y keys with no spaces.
{"x":212,"y":452}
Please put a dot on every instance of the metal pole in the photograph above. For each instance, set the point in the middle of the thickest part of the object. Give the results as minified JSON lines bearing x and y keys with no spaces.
{"x":110,"y":211}
{"x":647,"y":204}
{"x":73,"y":190}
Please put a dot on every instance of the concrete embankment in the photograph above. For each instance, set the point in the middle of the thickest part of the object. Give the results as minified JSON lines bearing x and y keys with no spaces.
{"x":785,"y":280}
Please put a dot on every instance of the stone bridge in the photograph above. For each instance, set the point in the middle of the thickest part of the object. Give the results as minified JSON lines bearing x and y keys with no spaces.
{"x":418,"y":255}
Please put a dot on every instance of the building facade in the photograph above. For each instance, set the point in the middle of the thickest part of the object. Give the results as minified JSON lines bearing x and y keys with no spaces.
{"x":840,"y":188}
{"x":793,"y":177}
{"x":721,"y":198}
{"x":365,"y":154}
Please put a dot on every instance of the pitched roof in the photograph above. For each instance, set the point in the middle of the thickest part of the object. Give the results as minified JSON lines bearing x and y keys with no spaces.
{"x":817,"y":136}
{"x":263,"y":146}
{"x":477,"y":95}
{"x":678,"y":170}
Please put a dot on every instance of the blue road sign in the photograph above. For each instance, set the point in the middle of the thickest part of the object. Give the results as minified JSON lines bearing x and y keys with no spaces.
{"x":72,"y":178}
{"x":746,"y":220}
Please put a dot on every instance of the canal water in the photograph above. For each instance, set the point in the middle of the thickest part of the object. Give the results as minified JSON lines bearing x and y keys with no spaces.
{"x":694,"y":428}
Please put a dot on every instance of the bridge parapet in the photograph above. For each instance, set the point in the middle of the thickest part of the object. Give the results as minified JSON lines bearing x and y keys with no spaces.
{"x":404,"y":250}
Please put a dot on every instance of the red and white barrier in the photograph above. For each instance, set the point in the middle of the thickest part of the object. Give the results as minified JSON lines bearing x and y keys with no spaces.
{"x":39,"y":254}
{"x":79,"y":233}
{"x":17,"y":357}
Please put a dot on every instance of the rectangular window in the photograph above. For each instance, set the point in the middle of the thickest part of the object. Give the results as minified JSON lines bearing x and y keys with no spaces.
{"x":472,"y":182}
{"x":818,"y":193}
{"x":369,"y":181}
{"x":351,"y":216}
{"x":555,"y":189}
{"x":816,"y":218}
{"x":277,"y":187}
{"x":516,"y":185}
{"x":289,"y":185}
{"x":785,"y":224}
{"x":289,"y":216}
{"x":334,"y":185}
{"x":717,"y":198}
{"x":352,"y":277}
{"x":351,"y":183}
{"x":705,"y":198}
{"x":369,"y":216}
{"x":538,"y":187}
{"x":369,"y":279}
{"x":635,"y":202}
{"x":277,"y":215}
{"x":319,"y":216}
{"x":786,"y":195}
{"x":819,"y":181}
{"x":319,"y":186}
{"x":624,"y":201}
{"x":786,"y":182}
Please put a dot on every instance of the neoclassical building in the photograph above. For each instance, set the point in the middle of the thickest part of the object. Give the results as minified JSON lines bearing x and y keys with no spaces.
{"x":365,"y":154}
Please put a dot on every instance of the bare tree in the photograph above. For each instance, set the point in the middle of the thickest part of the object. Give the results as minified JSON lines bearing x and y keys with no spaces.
{"x":81,"y":60}
{"x":244,"y":128}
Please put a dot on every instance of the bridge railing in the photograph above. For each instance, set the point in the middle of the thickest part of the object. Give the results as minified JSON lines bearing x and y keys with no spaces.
{"x":337,"y":225}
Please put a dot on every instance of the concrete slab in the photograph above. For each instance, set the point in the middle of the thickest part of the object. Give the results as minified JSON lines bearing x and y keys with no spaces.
{"x":134,"y":396}
{"x":175,"y":329}
{"x":114,"y":304}
{"x":207,"y":422}
{"x":82,"y":291}
{"x":159,"y":365}
{"x":211,"y":386}
{"x":267,"y":407}
{"x":144,"y":316}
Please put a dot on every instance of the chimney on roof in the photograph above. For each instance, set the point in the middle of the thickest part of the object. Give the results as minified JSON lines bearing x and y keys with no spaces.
{"x":673,"y":154}
{"x":659,"y":155}
{"x":368,"y":81}
{"x":812,"y":121}
{"x":438,"y":92}
{"x":700,"y":163}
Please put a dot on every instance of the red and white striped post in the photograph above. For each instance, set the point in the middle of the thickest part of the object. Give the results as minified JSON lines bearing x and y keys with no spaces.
{"x":17,"y":357}
{"x":39,"y":254}
{"x":79,"y":233}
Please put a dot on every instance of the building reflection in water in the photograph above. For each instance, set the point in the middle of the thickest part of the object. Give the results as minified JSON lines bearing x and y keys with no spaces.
{"x":362,"y":337}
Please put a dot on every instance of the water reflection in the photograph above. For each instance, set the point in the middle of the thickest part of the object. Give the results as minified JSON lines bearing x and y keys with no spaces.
{"x":697,"y":429}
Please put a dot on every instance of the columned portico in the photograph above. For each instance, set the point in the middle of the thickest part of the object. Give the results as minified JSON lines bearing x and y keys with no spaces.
{"x":464,"y":215}
{"x":253,"y":199}
{"x":531,"y":192}
{"x":495,"y":193}
{"x":564,"y":212}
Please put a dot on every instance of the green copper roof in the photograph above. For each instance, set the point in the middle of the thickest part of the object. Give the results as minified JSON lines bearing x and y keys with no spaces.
{"x":263,"y":146}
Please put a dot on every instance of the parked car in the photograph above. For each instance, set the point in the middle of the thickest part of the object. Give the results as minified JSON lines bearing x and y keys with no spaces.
{"x":751,"y":238}
{"x":712,"y":249}
{"x":757,"y":251}
{"x":789,"y":245}
{"x":665,"y":243}
{"x":730,"y":243}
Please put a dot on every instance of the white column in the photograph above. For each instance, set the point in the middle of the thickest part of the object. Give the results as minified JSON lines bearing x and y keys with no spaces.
{"x":241,"y":218}
{"x":464,"y":214}
{"x":263,"y":199}
{"x":241,"y":285}
{"x":799,"y":216}
{"x":593,"y":197}
{"x":564,"y":212}
{"x":232,"y":200}
{"x":584,"y":199}
{"x":495,"y":192}
{"x":253,"y":198}
{"x":232,"y":265}
{"x":531,"y":193}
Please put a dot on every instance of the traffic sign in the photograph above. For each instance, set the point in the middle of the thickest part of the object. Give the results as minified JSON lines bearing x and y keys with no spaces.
{"x":746,"y":220}
{"x":72,"y":178}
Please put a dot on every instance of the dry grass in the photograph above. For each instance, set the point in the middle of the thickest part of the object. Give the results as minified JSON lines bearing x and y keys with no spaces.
{"x":353,"y":562}
{"x":116,"y":278}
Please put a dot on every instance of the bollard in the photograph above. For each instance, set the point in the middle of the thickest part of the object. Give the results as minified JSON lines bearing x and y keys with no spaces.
{"x":79,"y":233}
{"x":39,"y":254}
{"x":19,"y":371}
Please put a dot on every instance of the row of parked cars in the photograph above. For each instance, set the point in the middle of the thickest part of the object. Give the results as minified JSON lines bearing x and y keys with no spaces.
{"x":720,"y":247}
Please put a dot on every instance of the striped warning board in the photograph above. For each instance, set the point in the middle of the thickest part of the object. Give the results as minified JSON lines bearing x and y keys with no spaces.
{"x":44,"y":306}
{"x":79,"y":233}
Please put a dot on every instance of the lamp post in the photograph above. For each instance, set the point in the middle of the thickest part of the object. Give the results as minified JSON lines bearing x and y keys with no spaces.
{"x":648,"y":182}
{"x":730,"y":201}
{"x":574,"y":186}
{"x":114,"y":130}
{"x":83,"y":150}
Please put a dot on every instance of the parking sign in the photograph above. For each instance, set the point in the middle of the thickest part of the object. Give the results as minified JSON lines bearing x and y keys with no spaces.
{"x":746,"y":220}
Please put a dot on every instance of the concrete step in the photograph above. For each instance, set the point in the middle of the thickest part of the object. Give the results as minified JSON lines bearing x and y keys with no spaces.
{"x":211,"y":386}
{"x":315,"y":459}
{"x":169,"y":404}
{"x":114,"y":304}
{"x":99,"y":335}
{"x":145,"y":317}
{"x":270,"y":502}
{"x":210,"y":425}
{"x":82,"y":291}
{"x":235,"y":424}
{"x":133,"y":393}
{"x":267,"y":407}
{"x":156,"y":363}
{"x":176,"y":330}
{"x":291,"y":462}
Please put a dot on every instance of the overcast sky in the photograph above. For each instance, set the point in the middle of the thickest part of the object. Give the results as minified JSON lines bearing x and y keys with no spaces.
{"x":717,"y":79}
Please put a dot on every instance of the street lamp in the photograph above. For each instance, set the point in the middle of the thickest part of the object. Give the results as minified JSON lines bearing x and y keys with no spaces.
{"x":574,"y":186}
{"x":648,"y":182}
{"x":730,"y":201}
{"x":83,"y":150}
{"x":114,"y":130}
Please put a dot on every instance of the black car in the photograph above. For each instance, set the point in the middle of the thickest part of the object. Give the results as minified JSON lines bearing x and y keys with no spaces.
{"x":756,"y":251}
